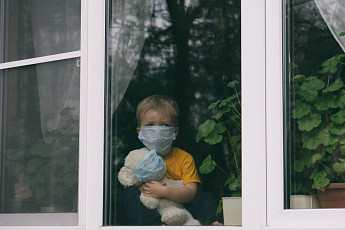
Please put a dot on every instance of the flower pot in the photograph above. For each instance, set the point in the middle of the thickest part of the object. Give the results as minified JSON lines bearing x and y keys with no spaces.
{"x":333,"y":196}
{"x":304,"y":201}
{"x":232,"y":211}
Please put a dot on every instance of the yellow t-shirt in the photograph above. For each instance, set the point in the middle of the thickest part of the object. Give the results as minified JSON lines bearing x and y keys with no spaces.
{"x":181,"y":166}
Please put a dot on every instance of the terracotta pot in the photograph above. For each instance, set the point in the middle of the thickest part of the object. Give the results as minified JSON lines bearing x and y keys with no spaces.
{"x":333,"y":196}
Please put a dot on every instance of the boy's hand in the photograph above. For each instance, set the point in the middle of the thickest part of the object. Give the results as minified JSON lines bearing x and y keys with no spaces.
{"x":153,"y":189}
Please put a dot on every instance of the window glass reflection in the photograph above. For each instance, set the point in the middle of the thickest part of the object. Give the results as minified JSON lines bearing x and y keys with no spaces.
{"x":36,"y":28}
{"x":40,"y":138}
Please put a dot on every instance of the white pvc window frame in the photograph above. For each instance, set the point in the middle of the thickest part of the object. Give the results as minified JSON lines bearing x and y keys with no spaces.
{"x":47,"y":221}
{"x":277,"y":217}
{"x":26,"y":219}
{"x":39,"y":60}
{"x":262,"y":124}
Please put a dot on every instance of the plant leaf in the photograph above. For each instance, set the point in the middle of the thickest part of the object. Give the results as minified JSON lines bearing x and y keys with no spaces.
{"x":233,"y":84}
{"x":214,"y":105}
{"x":221,"y":112}
{"x":220,"y":207}
{"x":323,"y":104}
{"x":298,"y":78}
{"x":213,"y":138}
{"x":207,"y":165}
{"x":339,"y":117}
{"x":337,"y":130}
{"x":320,"y":180}
{"x":312,"y":84}
{"x":205,"y":129}
{"x":336,"y":85}
{"x":326,"y":138}
{"x":330,"y":148}
{"x":300,"y":110}
{"x":342,"y":140}
{"x":316,"y":157}
{"x":310,"y":140}
{"x":309,"y":122}
{"x":330,"y":65}
{"x":309,"y":95}
{"x":339,"y":167}
{"x":236,"y":185}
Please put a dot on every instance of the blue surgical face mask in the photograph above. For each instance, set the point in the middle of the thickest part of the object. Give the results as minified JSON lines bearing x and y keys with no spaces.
{"x":151,"y":168}
{"x":159,"y":138}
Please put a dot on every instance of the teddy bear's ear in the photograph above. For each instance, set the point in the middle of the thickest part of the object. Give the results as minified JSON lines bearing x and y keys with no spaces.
{"x":127,"y":178}
{"x":134,"y":157}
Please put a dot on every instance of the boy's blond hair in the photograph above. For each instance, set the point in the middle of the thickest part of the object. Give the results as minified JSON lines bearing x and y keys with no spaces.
{"x":158,"y":102}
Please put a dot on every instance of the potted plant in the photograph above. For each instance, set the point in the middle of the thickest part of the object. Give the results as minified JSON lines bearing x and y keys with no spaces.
{"x":224,"y":128}
{"x":47,"y":167}
{"x":319,"y":112}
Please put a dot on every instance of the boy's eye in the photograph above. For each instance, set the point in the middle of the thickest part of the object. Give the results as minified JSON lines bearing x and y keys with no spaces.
{"x":166,"y":125}
{"x":149,"y":125}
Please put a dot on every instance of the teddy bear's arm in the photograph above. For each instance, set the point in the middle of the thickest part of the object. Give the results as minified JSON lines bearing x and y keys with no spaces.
{"x":127,"y":178}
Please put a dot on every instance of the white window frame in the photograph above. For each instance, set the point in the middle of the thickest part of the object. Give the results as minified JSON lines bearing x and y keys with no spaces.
{"x":92,"y":114}
{"x":262,"y":126}
{"x":277,"y":217}
{"x":51,"y":221}
{"x":39,"y":218}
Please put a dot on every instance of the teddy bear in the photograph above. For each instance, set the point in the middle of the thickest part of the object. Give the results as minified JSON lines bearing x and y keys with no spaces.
{"x":172,"y":213}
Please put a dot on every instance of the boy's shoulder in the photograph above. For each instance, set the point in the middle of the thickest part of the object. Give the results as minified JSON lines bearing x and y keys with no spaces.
{"x":179,"y":150}
{"x":180,"y":153}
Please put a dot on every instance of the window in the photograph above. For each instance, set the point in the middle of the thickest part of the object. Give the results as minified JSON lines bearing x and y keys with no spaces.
{"x":265,"y":168}
{"x":314,"y":70}
{"x":190,"y":51}
{"x":277,"y":215}
{"x":39,"y":120}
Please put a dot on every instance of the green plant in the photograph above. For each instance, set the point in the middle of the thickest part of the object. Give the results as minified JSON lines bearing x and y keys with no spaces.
{"x":224,"y":128}
{"x":48,"y":165}
{"x":319,"y":110}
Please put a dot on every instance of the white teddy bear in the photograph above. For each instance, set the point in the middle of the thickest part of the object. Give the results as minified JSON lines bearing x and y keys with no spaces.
{"x":172,"y":213}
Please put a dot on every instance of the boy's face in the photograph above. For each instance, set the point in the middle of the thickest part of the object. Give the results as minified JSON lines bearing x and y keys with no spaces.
{"x":156,"y":118}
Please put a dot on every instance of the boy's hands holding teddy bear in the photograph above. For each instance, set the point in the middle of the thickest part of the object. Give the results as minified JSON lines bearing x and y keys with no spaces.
{"x":157,"y":189}
{"x":153,"y":189}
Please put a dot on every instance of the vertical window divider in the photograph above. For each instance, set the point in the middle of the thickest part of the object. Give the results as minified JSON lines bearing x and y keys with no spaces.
{"x":93,"y":48}
{"x":83,"y":115}
{"x":253,"y":114}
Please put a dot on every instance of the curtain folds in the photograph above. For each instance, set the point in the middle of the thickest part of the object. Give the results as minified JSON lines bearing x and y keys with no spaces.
{"x":333,"y":12}
{"x":56,"y":30}
{"x":128,"y":27}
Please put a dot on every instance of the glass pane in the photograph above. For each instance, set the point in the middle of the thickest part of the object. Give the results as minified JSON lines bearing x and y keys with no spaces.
{"x":315,"y":105}
{"x":36,"y":28}
{"x":189,"y":51}
{"x":39,"y":138}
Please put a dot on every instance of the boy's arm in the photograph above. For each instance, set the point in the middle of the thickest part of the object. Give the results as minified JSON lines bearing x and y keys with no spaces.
{"x":182,"y":195}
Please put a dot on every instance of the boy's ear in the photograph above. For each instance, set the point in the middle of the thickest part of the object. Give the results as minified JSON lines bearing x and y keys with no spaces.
{"x":138,"y":130}
{"x":176,"y":130}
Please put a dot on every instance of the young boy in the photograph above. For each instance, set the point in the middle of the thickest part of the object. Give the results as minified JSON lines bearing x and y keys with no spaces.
{"x":158,"y":114}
